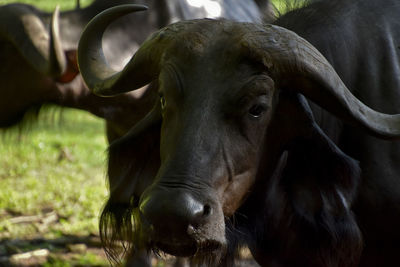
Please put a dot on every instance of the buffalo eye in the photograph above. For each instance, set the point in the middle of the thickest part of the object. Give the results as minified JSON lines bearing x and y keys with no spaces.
{"x":257,"y":110}
{"x":162,"y":101}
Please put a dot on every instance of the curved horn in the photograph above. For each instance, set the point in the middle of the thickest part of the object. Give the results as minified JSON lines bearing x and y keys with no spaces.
{"x":22,"y":27}
{"x":98,"y":75}
{"x":57,"y":60}
{"x":293,"y":60}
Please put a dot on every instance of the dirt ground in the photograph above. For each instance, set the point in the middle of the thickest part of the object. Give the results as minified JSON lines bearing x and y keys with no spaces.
{"x":67,"y":251}
{"x":70,"y":250}
{"x":40,"y":248}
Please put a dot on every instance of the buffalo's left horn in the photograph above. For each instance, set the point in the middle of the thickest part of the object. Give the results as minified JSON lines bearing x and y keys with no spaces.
{"x":57,"y":60}
{"x":298,"y":65}
{"x":98,"y":75}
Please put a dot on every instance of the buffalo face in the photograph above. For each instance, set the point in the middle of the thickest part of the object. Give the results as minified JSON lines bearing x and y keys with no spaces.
{"x":213,"y":124}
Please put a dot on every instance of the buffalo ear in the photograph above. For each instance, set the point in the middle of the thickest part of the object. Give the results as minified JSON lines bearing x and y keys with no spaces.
{"x":319,"y":182}
{"x":134,"y":159}
{"x":72,"y":69}
{"x":319,"y":178}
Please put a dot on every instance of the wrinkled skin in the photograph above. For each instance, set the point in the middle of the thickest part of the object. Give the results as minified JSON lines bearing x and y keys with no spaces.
{"x":194,"y":151}
{"x":232,"y":153}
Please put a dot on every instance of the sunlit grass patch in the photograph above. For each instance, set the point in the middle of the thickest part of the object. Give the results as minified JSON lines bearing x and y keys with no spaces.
{"x":87,"y":259}
{"x":49,"y":5}
{"x":57,"y":166}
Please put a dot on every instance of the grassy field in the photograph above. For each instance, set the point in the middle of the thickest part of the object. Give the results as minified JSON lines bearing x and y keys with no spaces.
{"x":49,"y":5}
{"x":52,"y":186}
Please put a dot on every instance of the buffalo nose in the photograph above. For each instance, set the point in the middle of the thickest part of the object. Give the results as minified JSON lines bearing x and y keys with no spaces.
{"x":174,"y":213}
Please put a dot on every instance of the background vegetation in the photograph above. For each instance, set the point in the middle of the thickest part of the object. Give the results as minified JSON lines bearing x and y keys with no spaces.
{"x":52,"y":187}
{"x":49,"y":5}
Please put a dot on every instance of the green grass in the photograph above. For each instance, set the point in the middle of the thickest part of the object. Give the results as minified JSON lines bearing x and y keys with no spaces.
{"x":49,"y":5}
{"x":285,"y":5}
{"x":56,"y":166}
{"x":89,"y":259}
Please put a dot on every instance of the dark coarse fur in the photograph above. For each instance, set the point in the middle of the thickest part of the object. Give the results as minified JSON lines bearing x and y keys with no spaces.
{"x":305,"y":213}
{"x":117,"y":225}
{"x":130,"y":165}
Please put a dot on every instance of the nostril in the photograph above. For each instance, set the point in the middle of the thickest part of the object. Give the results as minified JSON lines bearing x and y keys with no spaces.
{"x":202,"y":212}
{"x":198,"y":219}
{"x":179,"y":213}
{"x":206,"y":210}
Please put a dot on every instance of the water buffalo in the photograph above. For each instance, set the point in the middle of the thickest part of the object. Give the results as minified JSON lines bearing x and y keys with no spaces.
{"x":258,"y":139}
{"x":233,"y":153}
{"x":26,"y":86}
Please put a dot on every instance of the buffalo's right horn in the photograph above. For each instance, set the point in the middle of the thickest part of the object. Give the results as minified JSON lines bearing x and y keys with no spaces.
{"x":296,"y":64}
{"x":143,"y":67}
{"x":23,"y":28}
{"x":98,"y":75}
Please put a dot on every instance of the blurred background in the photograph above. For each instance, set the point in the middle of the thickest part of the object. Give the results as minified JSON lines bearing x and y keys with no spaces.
{"x":52,"y":184}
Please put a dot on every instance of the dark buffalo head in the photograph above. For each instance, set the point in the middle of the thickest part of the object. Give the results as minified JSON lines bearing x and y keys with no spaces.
{"x":231,"y":113}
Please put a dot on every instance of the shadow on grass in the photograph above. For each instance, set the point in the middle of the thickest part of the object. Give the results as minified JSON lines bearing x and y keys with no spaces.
{"x":53,"y":119}
{"x":67,"y":250}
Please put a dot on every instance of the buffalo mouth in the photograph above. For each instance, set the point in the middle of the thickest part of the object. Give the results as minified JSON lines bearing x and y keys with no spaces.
{"x":177,"y":249}
{"x":190,"y":249}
